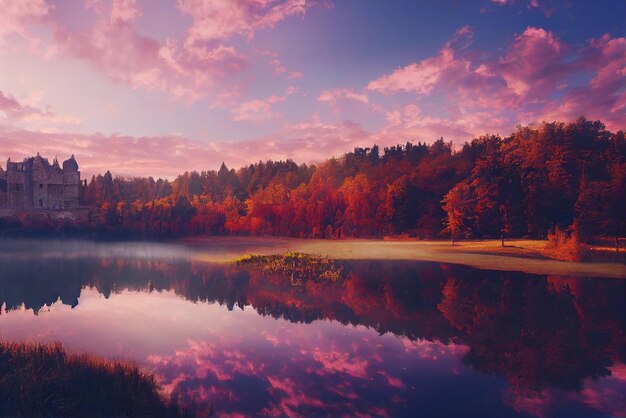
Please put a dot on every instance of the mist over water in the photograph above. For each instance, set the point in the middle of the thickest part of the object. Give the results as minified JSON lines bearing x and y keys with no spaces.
{"x":390,"y":338}
{"x":76,"y":249}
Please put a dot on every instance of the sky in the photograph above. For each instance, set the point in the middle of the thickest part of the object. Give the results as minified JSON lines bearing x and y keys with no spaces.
{"x":160,"y":87}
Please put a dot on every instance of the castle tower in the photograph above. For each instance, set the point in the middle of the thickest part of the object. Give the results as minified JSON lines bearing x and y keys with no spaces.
{"x":39,"y":179}
{"x":71,"y":183}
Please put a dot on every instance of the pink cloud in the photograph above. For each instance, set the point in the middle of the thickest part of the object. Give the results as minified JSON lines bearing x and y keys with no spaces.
{"x":476,"y":97}
{"x":295,"y":75}
{"x":392,"y":381}
{"x":114,"y":47}
{"x":465,"y":32}
{"x":17,"y":14}
{"x":168,"y":156}
{"x":534,"y":64}
{"x":294,"y":398}
{"x":336,"y":362}
{"x":124,"y":11}
{"x":311,"y":141}
{"x":521,"y":86}
{"x":410,"y":122}
{"x":607,"y":394}
{"x":157,"y":156}
{"x":257,"y":110}
{"x":533,"y":403}
{"x":423,"y":77}
{"x":278,"y":67}
{"x":18,"y":112}
{"x":292,"y":90}
{"x":315,"y":373}
{"x":220,"y":19}
{"x":117,"y":50}
{"x":603,"y":395}
{"x":331,"y":96}
{"x":604,"y":97}
{"x":420,"y":78}
{"x":12,"y":108}
{"x":193,"y":68}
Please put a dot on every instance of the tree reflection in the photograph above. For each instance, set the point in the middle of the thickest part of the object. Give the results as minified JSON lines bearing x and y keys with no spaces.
{"x":534,"y":333}
{"x":537,"y":331}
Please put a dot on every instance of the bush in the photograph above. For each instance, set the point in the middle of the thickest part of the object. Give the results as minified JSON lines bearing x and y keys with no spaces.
{"x":564,"y":246}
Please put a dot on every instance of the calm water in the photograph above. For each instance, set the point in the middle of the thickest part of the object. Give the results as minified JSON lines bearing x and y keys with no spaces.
{"x":391,"y":339}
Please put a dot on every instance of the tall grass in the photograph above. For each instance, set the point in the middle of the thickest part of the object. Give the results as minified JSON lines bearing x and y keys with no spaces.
{"x":43,"y":380}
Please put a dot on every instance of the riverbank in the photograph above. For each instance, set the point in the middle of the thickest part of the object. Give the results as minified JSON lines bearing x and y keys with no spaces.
{"x":517,"y":255}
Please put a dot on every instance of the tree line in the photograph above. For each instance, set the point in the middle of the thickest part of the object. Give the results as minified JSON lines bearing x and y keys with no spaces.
{"x":570,"y":176}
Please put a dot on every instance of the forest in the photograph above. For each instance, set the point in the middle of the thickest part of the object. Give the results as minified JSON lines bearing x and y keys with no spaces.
{"x":566,"y":176}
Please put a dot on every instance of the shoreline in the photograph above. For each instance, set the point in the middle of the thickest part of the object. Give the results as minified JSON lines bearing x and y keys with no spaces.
{"x":517,"y":255}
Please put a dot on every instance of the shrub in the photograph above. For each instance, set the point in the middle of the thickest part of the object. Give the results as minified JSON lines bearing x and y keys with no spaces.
{"x":564,"y":246}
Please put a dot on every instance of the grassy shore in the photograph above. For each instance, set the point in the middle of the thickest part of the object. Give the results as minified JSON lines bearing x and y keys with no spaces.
{"x":517,"y":255}
{"x":42,"y":380}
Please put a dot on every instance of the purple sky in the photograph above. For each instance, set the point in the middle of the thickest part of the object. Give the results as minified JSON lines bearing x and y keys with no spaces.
{"x":161,"y":87}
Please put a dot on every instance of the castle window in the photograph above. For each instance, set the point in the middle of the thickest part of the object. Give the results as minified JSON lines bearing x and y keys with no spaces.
{"x":41,"y":186}
{"x":41,"y":203}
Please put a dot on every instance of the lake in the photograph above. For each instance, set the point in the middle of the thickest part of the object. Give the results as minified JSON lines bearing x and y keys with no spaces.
{"x":389,"y":338}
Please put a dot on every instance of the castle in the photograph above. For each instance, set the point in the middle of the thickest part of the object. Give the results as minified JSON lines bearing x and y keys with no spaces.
{"x":36,"y":184}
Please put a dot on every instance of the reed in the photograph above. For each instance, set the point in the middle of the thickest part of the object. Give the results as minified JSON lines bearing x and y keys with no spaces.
{"x":43,"y":380}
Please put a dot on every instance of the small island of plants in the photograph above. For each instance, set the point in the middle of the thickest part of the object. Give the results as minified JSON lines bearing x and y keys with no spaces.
{"x":298,"y":267}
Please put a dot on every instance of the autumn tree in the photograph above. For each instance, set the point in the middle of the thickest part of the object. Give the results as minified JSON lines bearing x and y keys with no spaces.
{"x":455,"y":204}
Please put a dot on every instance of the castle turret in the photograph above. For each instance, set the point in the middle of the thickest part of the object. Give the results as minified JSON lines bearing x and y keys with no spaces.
{"x":70,"y":164}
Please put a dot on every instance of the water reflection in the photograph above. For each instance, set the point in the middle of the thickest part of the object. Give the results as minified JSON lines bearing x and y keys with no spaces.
{"x":405,"y":338}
